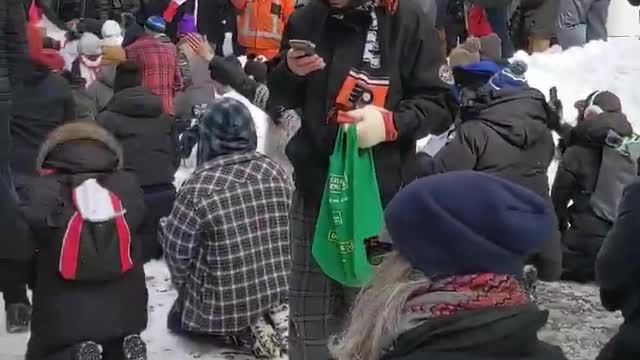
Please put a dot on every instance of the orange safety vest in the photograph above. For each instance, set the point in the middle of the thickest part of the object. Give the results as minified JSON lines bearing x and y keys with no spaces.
{"x":261,"y":23}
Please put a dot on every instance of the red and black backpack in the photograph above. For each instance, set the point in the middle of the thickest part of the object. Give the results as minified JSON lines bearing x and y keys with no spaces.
{"x":96,"y":241}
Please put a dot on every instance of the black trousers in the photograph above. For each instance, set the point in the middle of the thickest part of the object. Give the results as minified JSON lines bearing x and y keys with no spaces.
{"x":111,"y":350}
{"x":159,"y":202}
{"x":14,"y":276}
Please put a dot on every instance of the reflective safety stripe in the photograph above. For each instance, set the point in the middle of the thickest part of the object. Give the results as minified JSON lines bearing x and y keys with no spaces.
{"x":274,"y":33}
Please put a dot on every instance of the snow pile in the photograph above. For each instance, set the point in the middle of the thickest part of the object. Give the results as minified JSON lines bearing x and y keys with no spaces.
{"x":577,"y":72}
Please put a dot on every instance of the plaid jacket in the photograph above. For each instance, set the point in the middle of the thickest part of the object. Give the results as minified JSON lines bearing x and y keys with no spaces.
{"x":158,"y":63}
{"x":227,"y":242}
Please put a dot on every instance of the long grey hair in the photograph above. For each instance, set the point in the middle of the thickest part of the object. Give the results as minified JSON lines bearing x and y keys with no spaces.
{"x":377,"y":312}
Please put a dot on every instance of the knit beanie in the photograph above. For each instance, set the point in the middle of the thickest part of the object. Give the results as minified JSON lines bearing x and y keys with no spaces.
{"x":90,"y":44}
{"x":112,"y":34}
{"x":155,"y":24}
{"x":491,"y":48}
{"x":466,"y":53}
{"x":467,"y":222}
{"x":127,"y":76}
{"x":607,"y":101}
{"x":511,"y":77}
{"x":113,"y":55}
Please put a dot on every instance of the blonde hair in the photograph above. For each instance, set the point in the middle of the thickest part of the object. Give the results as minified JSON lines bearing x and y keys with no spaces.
{"x":367,"y":337}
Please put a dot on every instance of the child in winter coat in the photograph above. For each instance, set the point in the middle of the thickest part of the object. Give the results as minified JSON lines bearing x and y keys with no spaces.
{"x":90,"y":296}
{"x":583,"y":178}
{"x":149,"y":141}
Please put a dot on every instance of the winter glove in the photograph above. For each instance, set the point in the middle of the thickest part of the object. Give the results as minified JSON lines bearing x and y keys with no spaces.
{"x":374,"y":125}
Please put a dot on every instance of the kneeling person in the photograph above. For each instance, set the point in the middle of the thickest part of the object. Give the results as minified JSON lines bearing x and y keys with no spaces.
{"x":227,"y":239}
{"x":90,"y":297}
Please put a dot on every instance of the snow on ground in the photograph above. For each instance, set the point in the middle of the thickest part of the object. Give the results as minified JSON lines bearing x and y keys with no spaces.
{"x":577,"y":321}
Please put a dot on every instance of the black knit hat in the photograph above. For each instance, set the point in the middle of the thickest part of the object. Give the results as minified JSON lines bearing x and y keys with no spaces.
{"x":127,"y":76}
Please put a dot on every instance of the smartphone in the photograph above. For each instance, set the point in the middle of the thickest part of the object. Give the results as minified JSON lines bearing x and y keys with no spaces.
{"x":306,"y":46}
{"x":553,"y":94}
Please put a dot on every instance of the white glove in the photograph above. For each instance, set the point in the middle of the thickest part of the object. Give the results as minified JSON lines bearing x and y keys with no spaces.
{"x":374,"y":125}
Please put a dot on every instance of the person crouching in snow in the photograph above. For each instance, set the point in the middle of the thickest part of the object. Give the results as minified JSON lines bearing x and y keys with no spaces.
{"x":226,"y":241}
{"x":90,"y":296}
{"x":148,"y":136}
{"x":592,"y":175}
{"x":504,"y":129}
{"x":449,"y":290}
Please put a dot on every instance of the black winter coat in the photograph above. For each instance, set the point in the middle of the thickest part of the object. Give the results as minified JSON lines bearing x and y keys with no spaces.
{"x":576,"y":180}
{"x":507,"y":136}
{"x":135,"y":117}
{"x":506,"y":334}
{"x":13,"y":53}
{"x":618,"y":274}
{"x":42,"y":102}
{"x":417,"y":97}
{"x":68,"y":312}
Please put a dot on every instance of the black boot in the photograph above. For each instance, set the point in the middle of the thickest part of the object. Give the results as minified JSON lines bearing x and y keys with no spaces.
{"x":18,"y":318}
{"x":134,"y":348}
{"x":88,"y":350}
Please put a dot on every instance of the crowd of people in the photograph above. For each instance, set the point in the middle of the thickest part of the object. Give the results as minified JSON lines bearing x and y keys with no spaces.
{"x":94,"y":126}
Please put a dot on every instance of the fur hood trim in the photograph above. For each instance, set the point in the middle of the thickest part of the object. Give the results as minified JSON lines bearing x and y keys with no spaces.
{"x":78,"y":131}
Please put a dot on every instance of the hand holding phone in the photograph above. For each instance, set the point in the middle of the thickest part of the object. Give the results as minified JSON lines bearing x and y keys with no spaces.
{"x":302,"y":58}
{"x":304,"y":46}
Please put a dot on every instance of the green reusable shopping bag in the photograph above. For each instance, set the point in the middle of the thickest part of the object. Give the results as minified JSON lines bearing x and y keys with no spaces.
{"x":350,"y":212}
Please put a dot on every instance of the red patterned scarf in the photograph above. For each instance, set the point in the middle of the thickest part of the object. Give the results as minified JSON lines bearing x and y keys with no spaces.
{"x":463,"y":293}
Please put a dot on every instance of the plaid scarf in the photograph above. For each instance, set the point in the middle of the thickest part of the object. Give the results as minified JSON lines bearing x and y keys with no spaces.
{"x":456,"y":294}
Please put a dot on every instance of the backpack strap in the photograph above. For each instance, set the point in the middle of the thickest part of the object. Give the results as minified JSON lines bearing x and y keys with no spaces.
{"x":124,"y":234}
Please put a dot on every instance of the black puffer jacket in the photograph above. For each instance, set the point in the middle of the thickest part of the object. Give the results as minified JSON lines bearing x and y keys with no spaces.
{"x":491,"y":334}
{"x":618,"y":272}
{"x":135,"y":117}
{"x":68,"y":312}
{"x":42,"y":102}
{"x":576,"y":180}
{"x":507,"y":136}
{"x":418,"y":98}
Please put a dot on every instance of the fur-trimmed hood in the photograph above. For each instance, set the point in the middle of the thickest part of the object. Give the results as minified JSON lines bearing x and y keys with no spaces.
{"x":79,"y":131}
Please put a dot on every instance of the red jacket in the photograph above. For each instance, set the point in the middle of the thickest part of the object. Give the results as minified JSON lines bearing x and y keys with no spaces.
{"x":478,"y":25}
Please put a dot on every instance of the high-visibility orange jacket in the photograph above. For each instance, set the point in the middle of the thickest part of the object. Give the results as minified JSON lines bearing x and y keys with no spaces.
{"x":261,"y":23}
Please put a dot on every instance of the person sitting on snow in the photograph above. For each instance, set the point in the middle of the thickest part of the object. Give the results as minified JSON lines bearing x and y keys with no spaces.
{"x":592,"y":176}
{"x":226,"y":241}
{"x":449,"y":289}
{"x":148,"y":136}
{"x":90,"y":295}
{"x":503,"y":128}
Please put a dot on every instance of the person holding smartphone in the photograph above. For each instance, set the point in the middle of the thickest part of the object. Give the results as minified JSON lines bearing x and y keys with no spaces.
{"x":378,"y":62}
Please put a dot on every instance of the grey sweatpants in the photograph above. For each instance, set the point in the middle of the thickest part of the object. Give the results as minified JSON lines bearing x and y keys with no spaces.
{"x":318,"y":305}
{"x":581,"y":21}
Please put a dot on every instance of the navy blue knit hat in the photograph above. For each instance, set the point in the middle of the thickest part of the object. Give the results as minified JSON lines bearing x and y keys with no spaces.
{"x":155,"y":24}
{"x":467,"y":222}
{"x":226,"y":128}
